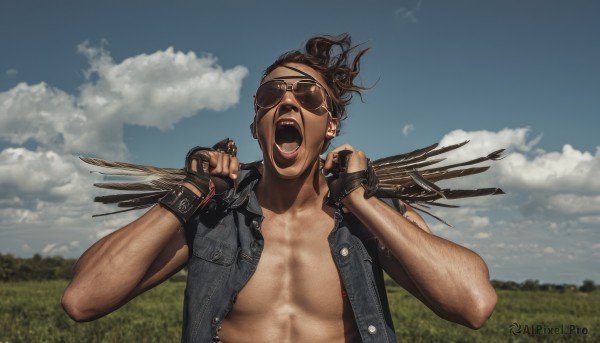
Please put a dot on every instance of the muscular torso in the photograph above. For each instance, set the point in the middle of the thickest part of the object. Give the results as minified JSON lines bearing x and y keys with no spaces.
{"x":296,"y":294}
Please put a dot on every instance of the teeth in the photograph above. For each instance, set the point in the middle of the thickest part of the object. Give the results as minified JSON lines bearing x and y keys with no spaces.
{"x":286,"y":123}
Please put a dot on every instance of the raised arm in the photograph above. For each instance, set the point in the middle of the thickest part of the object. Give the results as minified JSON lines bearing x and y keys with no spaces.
{"x":450,"y":279}
{"x":124,"y":264}
{"x":140,"y":255}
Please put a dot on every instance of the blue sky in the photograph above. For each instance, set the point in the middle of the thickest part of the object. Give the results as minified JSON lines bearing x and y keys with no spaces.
{"x":145,"y":81}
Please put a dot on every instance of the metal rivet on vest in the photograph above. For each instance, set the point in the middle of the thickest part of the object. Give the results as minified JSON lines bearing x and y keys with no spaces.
{"x":372,"y":329}
{"x":216,"y":320}
{"x":254,"y":246}
{"x":255,"y":224}
{"x":344,"y":252}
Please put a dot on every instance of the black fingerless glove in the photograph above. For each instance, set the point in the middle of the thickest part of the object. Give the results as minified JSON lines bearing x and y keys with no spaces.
{"x":342,"y":183}
{"x":182,"y":201}
{"x":371,"y":184}
{"x":199,"y":178}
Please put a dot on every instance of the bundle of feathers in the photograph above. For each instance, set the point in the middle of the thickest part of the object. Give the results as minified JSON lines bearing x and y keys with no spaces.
{"x":408,"y":177}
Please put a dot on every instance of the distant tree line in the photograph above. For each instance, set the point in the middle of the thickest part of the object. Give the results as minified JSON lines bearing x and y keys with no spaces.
{"x":534,"y":285}
{"x":530,"y":285}
{"x":38,"y":268}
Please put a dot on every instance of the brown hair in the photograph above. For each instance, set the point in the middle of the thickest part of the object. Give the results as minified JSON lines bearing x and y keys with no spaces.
{"x":330,"y":56}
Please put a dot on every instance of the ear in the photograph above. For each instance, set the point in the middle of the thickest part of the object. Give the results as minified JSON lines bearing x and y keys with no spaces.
{"x":332,"y":125}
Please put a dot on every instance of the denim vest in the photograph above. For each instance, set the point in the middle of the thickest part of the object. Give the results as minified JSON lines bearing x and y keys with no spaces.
{"x":226,"y":243}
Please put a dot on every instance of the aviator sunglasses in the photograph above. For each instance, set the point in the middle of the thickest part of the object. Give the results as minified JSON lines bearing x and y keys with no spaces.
{"x":309,"y":93}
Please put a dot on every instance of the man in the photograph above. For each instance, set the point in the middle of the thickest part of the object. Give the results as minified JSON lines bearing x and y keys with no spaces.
{"x":289,"y":256}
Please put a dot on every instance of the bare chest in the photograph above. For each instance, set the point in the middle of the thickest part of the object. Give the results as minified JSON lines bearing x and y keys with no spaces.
{"x":296,"y":288}
{"x":296,"y":268}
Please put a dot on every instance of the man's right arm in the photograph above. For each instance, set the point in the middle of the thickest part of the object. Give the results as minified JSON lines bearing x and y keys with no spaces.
{"x":126,"y":263}
{"x":136,"y":257}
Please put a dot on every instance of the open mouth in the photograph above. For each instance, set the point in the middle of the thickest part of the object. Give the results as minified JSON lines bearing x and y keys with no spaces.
{"x":288,"y":136}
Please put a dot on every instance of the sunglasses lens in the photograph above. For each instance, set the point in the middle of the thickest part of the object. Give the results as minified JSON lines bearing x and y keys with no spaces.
{"x":309,"y":94}
{"x":269,"y":93}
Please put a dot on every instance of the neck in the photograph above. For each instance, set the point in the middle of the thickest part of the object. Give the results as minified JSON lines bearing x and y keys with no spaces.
{"x":285,"y":195}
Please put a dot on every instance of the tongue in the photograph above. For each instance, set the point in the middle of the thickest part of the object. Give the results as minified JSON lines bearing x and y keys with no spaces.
{"x":289,"y":146}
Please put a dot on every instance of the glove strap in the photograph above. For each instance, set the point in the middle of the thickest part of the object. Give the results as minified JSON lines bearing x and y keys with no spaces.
{"x":342,"y":185}
{"x":184,"y":203}
{"x":371,"y":184}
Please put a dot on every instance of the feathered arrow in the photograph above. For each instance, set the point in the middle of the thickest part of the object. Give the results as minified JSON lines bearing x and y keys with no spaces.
{"x":407,"y":177}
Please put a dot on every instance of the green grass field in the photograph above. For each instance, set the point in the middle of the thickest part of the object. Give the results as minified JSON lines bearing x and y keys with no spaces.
{"x":31,"y":312}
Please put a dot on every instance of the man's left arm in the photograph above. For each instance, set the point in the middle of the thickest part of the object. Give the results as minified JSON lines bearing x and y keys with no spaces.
{"x":450,"y":279}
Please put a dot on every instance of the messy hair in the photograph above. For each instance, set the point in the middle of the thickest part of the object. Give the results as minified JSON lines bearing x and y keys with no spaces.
{"x":333,"y":57}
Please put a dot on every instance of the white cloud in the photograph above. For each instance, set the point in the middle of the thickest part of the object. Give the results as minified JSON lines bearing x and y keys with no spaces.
{"x":479,"y":222}
{"x":525,"y":166}
{"x":590,"y":219}
{"x":46,"y":193}
{"x":482,"y":235}
{"x":555,"y":183}
{"x":511,"y":247}
{"x":407,"y":11}
{"x":156,"y":90}
{"x":11,"y":72}
{"x":556,"y":195}
{"x":483,"y":142}
{"x":26,"y":248}
{"x":41,"y":113}
{"x":407,"y":129}
{"x":574,"y":204}
{"x":55,"y":249}
{"x":569,"y":170}
{"x":41,"y":175}
{"x":48,"y":248}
